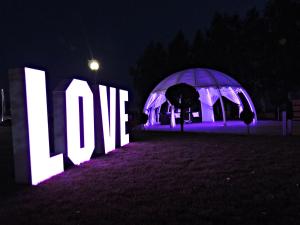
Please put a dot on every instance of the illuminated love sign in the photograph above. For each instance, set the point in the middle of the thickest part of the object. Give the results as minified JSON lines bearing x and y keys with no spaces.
{"x":77,"y":112}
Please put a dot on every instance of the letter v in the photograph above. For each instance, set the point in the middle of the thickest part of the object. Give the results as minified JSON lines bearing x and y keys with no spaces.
{"x":108,"y":124}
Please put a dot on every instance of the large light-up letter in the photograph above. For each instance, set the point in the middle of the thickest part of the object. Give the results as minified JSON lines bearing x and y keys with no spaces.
{"x":108,"y":124}
{"x":123,"y":118}
{"x":77,"y":153}
{"x":42,"y":166}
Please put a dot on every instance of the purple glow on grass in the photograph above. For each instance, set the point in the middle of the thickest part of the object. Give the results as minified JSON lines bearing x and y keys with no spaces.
{"x":42,"y":166}
{"x":108,"y":124}
{"x":123,"y":117}
{"x":233,"y":127}
{"x":76,"y":153}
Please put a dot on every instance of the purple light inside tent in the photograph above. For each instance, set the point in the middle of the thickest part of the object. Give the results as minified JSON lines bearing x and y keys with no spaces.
{"x":237,"y":99}
{"x":211,"y":104}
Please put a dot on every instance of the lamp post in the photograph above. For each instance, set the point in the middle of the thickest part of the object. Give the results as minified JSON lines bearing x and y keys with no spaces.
{"x":2,"y":106}
{"x":94,"y":66}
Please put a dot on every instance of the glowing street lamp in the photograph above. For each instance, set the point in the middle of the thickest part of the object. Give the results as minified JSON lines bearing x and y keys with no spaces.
{"x":94,"y":66}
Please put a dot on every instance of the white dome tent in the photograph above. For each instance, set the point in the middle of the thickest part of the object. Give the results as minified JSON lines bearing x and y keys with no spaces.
{"x":210,"y":84}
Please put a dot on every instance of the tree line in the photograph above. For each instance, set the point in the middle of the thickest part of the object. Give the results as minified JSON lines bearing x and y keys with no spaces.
{"x":260,"y":50}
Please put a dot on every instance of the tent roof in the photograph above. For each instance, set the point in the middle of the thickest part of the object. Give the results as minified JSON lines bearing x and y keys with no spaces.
{"x":198,"y":77}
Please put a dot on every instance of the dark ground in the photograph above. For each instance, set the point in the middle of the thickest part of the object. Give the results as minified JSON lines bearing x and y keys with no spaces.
{"x":166,"y":178}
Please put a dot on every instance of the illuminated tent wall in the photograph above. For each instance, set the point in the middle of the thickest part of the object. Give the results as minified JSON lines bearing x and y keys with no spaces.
{"x":210,"y":84}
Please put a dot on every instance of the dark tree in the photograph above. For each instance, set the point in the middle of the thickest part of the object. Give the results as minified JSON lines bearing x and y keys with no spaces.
{"x":143,"y":118}
{"x":223,"y":38}
{"x":149,"y":70}
{"x":197,"y":55}
{"x":283,"y":47}
{"x":178,"y":54}
{"x":251,"y":64}
{"x":182,"y":96}
{"x":260,"y":50}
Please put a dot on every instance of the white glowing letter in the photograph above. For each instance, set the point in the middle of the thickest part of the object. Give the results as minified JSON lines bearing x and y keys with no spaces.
{"x":77,"y":153}
{"x":42,"y":166}
{"x":123,"y":117}
{"x":108,"y":125}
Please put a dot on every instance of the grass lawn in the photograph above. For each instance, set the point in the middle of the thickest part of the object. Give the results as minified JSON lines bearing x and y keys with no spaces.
{"x":168,"y":178}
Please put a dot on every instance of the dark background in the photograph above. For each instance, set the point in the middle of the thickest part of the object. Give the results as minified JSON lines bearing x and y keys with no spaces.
{"x":61,"y":36}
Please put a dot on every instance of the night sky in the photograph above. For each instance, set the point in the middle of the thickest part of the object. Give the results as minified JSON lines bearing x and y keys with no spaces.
{"x":61,"y":37}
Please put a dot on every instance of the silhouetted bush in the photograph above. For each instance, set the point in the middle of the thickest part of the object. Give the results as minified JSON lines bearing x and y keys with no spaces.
{"x":182,"y":96}
{"x":247,"y":117}
{"x":143,"y":118}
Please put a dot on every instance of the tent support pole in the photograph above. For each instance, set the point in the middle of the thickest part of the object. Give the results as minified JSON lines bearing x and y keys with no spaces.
{"x":235,"y":92}
{"x":158,"y":114}
{"x":223,"y":108}
{"x":250,"y":103}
